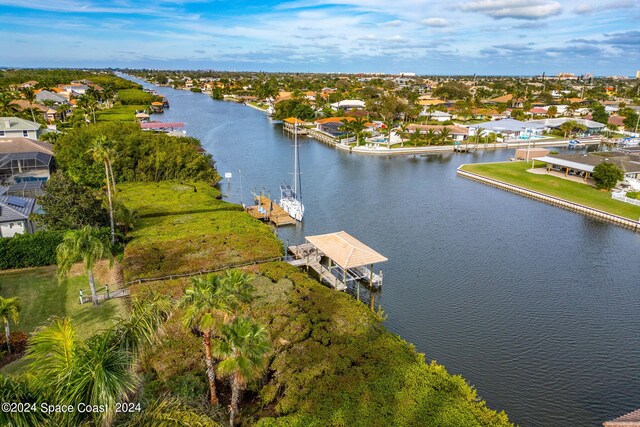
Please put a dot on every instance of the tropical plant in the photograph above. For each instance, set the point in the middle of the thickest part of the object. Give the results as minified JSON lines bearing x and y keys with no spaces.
{"x":444,"y":135}
{"x":357,"y":126}
{"x":82,"y":244}
{"x":170,"y":413}
{"x":125,"y":218}
{"x":431,"y":136}
{"x":389,"y":122}
{"x":7,"y":108}
{"x":403,"y":129}
{"x":101,"y":151}
{"x":210,"y":302}
{"x":30,"y":95}
{"x":242,"y":348}
{"x":9,"y":310}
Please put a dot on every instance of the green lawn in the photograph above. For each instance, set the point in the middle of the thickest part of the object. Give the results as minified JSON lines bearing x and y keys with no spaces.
{"x":183,"y":231}
{"x":43,"y":296}
{"x":515,"y":173}
{"x":120,"y":113}
{"x":169,"y":197}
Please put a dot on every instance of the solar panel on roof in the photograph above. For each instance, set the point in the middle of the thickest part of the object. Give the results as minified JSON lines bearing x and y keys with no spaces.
{"x":16,"y":202}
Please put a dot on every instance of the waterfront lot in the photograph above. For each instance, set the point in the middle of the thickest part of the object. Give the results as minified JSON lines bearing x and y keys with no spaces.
{"x":182,"y":231}
{"x":515,"y":173}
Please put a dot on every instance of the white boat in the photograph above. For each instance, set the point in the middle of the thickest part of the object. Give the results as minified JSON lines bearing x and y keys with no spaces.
{"x":270,"y":111}
{"x":291,"y":198}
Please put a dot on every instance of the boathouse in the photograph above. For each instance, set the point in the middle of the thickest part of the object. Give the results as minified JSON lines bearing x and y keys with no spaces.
{"x":339,"y":258}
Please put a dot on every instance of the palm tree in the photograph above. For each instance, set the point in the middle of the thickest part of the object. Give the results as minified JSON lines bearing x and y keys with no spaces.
{"x":358,"y":125}
{"x":444,"y":135}
{"x":30,"y":95}
{"x":7,"y":108}
{"x":96,"y":371}
{"x":9,"y":309}
{"x":211,"y":302}
{"x":404,"y":129}
{"x":242,"y":348}
{"x":82,"y":244}
{"x":346,"y":126}
{"x":430,"y":136}
{"x":171,"y":413}
{"x":101,"y":152}
{"x":124,"y":217}
{"x":389,"y":123}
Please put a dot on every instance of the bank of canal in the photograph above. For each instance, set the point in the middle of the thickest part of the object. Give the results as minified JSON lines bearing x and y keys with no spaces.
{"x":534,"y":305}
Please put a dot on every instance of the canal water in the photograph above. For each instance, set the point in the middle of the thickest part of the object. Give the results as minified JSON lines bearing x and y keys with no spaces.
{"x":537,"y":307}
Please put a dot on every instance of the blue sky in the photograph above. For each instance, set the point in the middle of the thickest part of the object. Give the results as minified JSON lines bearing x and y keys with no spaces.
{"x":421,"y":36}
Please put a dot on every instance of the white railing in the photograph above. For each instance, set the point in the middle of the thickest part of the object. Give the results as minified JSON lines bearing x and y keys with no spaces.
{"x":623,"y":198}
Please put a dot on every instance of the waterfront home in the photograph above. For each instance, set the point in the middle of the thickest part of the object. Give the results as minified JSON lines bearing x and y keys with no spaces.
{"x":592,"y":127}
{"x":77,"y":89}
{"x":348,"y":104}
{"x":457,"y":133}
{"x":582,"y":165}
{"x":509,"y":128}
{"x":439,"y":116}
{"x":15,"y":126}
{"x":14,"y":214}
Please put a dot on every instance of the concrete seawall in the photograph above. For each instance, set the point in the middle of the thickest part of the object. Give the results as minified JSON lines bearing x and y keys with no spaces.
{"x":556,"y":201}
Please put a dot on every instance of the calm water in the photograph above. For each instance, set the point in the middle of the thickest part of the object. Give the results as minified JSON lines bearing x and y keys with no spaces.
{"x":537,"y":307}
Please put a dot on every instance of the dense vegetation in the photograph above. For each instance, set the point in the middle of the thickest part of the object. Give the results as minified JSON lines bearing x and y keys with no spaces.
{"x":29,"y":250}
{"x":137,"y":155}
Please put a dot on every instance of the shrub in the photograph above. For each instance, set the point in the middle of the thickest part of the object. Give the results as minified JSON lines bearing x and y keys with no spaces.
{"x":29,"y":250}
{"x":18,"y":340}
{"x":606,"y":175}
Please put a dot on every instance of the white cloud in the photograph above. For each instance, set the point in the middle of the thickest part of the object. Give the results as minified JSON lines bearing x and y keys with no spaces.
{"x":584,"y":8}
{"x":517,"y":9}
{"x":435,"y":22}
{"x":394,"y":23}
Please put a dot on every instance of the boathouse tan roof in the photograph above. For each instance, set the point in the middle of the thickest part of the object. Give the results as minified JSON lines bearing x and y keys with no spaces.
{"x":345,"y":250}
{"x":632,"y":419}
{"x":292,"y":120}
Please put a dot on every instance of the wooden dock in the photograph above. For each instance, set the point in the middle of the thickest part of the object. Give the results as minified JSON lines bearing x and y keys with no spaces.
{"x":270,"y":211}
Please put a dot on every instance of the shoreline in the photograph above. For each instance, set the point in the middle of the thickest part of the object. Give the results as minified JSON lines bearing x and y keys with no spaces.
{"x":452,"y":148}
{"x":552,"y":200}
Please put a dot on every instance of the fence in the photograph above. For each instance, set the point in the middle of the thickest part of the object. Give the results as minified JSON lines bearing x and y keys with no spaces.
{"x":623,"y":198}
{"x":103,"y":295}
{"x":118,"y":293}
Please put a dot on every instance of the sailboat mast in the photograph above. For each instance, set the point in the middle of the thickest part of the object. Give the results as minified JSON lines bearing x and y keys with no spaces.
{"x":295,"y":157}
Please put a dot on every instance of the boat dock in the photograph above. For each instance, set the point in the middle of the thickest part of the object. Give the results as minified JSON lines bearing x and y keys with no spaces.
{"x":339,"y":260}
{"x":269,"y":211}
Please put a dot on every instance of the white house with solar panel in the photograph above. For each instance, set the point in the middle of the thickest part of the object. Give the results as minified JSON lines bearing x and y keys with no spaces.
{"x":14,"y":214}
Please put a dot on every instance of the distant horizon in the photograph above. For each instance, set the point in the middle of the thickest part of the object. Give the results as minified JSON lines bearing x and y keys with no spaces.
{"x":366,"y":73}
{"x":429,"y":37}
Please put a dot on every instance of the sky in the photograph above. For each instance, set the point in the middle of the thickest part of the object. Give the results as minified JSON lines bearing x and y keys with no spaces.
{"x":484,"y":37}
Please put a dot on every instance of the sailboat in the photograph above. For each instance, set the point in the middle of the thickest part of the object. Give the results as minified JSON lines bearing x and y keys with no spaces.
{"x":291,"y":198}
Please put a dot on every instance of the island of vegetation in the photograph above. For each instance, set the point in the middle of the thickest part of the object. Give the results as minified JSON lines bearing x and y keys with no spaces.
{"x":187,"y":318}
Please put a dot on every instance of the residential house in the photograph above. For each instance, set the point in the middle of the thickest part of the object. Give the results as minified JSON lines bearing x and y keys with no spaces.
{"x":14,"y":214}
{"x":592,"y":127}
{"x":458,"y":133}
{"x":348,"y":104}
{"x":439,"y":116}
{"x":17,"y":127}
{"x":45,"y":95}
{"x":582,"y":165}
{"x":509,"y":128}
{"x":24,"y":160}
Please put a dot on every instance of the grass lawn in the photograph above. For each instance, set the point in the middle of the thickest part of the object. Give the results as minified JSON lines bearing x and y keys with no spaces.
{"x":515,"y":173}
{"x":260,"y":106}
{"x":169,"y":197}
{"x":184,"y":231}
{"x":120,"y":113}
{"x":43,"y":296}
